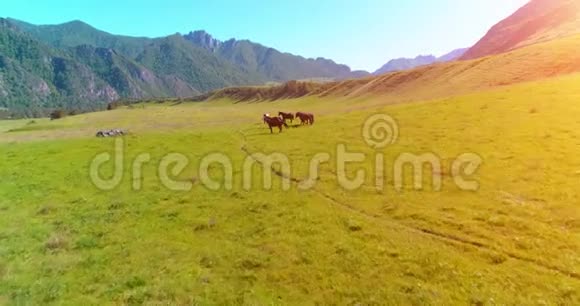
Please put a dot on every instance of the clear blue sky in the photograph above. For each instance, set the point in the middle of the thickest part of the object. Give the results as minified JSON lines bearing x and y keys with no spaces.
{"x":363,"y":34}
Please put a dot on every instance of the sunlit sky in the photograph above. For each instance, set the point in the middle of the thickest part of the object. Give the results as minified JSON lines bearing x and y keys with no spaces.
{"x":363,"y":34}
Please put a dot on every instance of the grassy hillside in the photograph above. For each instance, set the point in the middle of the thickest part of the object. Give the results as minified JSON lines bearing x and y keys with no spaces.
{"x":538,"y":21}
{"x":515,"y":240}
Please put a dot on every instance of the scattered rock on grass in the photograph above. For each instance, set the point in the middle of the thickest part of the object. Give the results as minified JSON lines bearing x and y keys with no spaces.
{"x":56,"y":242}
{"x":353,"y":226}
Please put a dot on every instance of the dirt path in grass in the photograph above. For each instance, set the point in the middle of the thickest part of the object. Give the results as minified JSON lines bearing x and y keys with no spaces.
{"x":442,"y":237}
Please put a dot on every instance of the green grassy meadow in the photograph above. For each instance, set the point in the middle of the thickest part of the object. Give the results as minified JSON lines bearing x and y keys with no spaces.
{"x":514,"y":241}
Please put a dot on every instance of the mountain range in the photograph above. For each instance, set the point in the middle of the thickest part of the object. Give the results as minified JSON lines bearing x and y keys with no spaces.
{"x":271,"y":63}
{"x":78,"y":67}
{"x":421,"y":60}
{"x":74,"y":66}
{"x":530,"y":45}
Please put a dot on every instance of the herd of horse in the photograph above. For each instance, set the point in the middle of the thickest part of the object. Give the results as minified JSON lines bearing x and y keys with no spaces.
{"x":280,"y":120}
{"x":272,"y":122}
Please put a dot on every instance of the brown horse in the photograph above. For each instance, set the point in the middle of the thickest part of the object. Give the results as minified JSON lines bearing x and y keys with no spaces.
{"x":286,"y":116}
{"x":274,"y":122}
{"x":305,"y":118}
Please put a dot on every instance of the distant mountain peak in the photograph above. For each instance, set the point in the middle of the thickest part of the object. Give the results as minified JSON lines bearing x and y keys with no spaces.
{"x":76,"y":22}
{"x":421,"y":60}
{"x":8,"y":23}
{"x":204,"y":40}
{"x":453,"y":55}
{"x":73,"y":24}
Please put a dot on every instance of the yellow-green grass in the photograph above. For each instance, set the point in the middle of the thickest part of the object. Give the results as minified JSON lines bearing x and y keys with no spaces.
{"x":21,"y":124}
{"x":514,"y":241}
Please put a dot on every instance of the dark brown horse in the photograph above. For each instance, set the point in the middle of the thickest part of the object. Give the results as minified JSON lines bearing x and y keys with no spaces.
{"x":274,"y":122}
{"x":286,"y":116}
{"x":305,"y":118}
{"x":264,"y":118}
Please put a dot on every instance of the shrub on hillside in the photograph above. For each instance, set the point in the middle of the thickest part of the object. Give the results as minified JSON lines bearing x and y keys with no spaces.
{"x":57,"y":114}
{"x":113,"y":105}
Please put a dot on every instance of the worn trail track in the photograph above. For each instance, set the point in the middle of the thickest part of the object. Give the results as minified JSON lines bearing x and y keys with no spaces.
{"x":443,"y":237}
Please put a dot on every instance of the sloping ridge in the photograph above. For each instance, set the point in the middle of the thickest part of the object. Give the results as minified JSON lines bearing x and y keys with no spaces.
{"x":288,"y":90}
{"x":270,"y":63}
{"x":536,"y":22}
{"x":539,"y":61}
{"x":400,"y":64}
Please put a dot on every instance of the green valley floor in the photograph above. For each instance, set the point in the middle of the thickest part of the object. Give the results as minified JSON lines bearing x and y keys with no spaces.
{"x":514,"y":240}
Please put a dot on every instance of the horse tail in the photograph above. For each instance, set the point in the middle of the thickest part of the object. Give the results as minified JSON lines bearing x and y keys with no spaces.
{"x":312,"y":119}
